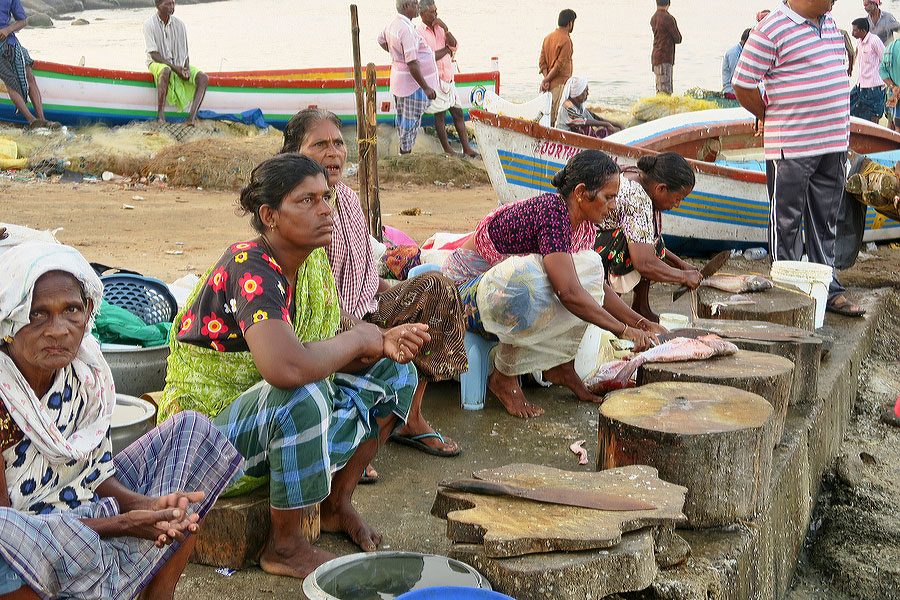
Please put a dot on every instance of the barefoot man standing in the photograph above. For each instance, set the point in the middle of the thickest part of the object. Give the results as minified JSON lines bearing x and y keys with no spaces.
{"x":167,"y":51}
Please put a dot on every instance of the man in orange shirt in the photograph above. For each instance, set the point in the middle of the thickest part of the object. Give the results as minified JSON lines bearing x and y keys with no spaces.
{"x":556,"y":58}
{"x":665,"y":36}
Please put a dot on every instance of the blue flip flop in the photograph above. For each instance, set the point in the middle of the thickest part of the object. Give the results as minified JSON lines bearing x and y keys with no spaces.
{"x":415,"y":441}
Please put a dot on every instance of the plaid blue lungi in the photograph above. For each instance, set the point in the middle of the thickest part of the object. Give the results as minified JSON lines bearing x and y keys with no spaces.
{"x":60,"y":557}
{"x":299,"y":437}
{"x":13,"y":60}
{"x":409,"y":116}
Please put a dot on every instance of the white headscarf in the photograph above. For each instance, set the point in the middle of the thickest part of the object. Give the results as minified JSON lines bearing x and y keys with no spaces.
{"x":575,"y":86}
{"x":20,"y":268}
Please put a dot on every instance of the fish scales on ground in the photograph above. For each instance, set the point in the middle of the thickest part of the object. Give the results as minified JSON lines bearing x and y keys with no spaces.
{"x":617,"y":375}
{"x":738,"y":284}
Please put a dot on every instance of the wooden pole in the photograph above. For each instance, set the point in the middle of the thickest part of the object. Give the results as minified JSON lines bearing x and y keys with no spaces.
{"x":371,"y":140}
{"x":360,"y":112}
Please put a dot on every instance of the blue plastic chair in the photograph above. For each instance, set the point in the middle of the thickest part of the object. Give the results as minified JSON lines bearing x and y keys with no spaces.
{"x":473,"y":383}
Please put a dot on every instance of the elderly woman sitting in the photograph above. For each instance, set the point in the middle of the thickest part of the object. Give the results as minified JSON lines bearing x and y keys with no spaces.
{"x":256,"y":347}
{"x":573,"y":115}
{"x":77,"y":522}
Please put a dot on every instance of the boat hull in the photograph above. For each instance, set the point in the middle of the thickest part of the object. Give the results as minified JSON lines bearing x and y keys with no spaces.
{"x":728,"y":207}
{"x":80,"y":95}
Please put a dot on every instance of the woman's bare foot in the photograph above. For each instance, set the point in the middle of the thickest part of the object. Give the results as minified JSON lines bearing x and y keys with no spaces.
{"x":509,"y":393}
{"x":337,"y":516}
{"x":296,"y":558}
{"x":565,"y":374}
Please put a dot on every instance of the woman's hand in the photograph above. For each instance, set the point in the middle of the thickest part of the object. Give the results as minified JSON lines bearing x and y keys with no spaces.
{"x":651,"y":327}
{"x":642,"y":340}
{"x":402,"y":343}
{"x":691,"y":278}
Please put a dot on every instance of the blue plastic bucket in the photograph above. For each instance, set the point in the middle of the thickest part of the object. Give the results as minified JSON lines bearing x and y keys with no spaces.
{"x":453,"y":593}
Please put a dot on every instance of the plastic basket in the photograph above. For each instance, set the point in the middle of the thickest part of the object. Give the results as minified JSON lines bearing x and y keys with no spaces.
{"x":148,"y":298}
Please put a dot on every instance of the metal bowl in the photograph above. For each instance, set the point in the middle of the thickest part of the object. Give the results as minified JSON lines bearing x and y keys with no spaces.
{"x":137,"y":370}
{"x":378,"y":575}
{"x":132,"y":417}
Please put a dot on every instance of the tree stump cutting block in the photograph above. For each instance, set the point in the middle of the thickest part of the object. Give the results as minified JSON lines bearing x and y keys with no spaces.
{"x":508,"y":526}
{"x":765,"y":375}
{"x":628,"y":566}
{"x":797,"y":345}
{"x":714,"y":440}
{"x":784,"y":305}
{"x":235,"y":530}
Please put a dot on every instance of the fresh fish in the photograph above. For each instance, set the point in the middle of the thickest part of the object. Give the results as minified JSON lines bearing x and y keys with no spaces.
{"x":737,"y":284}
{"x":616,"y":375}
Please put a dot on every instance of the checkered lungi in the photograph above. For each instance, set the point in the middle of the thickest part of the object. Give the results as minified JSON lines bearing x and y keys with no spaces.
{"x":409,"y":117}
{"x":60,"y":557}
{"x":300,"y":437}
{"x":13,"y":60}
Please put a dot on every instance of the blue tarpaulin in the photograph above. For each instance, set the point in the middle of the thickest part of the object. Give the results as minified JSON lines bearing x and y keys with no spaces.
{"x":253,"y":116}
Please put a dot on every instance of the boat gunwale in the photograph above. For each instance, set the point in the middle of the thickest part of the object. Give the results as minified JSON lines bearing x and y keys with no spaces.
{"x":578,"y":140}
{"x":240,"y":79}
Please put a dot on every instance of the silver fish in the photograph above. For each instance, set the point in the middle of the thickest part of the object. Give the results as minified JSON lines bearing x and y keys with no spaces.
{"x":737,"y":284}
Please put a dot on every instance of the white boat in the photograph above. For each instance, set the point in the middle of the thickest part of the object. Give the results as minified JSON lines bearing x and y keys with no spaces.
{"x":728,"y":207}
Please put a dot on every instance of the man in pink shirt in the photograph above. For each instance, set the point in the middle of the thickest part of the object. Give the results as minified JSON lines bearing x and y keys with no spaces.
{"x":414,"y":74}
{"x":867,"y":97}
{"x":436,"y":35}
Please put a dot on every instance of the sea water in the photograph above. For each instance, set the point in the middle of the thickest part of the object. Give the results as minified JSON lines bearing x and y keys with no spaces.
{"x":386,"y":576}
{"x":612,"y":39}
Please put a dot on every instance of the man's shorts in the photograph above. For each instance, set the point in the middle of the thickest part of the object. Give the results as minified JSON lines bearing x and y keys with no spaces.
{"x":181,"y":92}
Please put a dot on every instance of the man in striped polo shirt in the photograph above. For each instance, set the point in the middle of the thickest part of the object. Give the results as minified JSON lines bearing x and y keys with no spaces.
{"x":798,"y":53}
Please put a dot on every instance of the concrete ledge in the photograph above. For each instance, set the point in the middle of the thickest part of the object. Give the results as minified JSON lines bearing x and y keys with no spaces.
{"x":756,"y":561}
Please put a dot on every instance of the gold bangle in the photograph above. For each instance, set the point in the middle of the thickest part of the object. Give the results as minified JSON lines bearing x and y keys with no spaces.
{"x":624,"y":329}
{"x":638,"y":324}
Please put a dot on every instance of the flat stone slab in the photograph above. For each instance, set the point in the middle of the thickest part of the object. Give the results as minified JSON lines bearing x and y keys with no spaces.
{"x":628,"y":566}
{"x":508,"y":526}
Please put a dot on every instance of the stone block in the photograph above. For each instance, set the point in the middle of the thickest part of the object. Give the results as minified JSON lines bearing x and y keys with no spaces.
{"x":235,"y":530}
{"x":628,"y":566}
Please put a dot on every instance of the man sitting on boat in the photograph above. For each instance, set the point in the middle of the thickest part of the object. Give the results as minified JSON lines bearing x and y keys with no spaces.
{"x":15,"y":64}
{"x":167,"y":52}
{"x":573,"y":115}
{"x":630,"y":240}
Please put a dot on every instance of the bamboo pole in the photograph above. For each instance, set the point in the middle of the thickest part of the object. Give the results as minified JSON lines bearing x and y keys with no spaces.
{"x":360,"y":112}
{"x":371,"y":140}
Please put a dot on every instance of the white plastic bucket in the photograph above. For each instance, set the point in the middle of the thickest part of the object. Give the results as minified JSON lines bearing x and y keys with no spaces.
{"x":673,"y":321}
{"x":812,"y":279}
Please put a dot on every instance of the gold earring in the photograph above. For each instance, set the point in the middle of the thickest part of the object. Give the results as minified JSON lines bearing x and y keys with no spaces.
{"x":8,"y":339}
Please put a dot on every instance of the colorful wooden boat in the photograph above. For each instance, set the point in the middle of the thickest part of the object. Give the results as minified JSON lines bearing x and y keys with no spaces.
{"x":79,"y":95}
{"x":728,"y":207}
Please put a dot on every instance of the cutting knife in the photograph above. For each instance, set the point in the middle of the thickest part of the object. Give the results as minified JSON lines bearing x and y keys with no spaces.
{"x":714,"y":264}
{"x":551,"y":495}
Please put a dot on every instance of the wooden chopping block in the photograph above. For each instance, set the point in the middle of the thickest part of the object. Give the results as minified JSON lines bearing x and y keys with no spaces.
{"x":763,"y":374}
{"x":235,"y":530}
{"x":508,"y":526}
{"x":797,"y":345}
{"x":713,"y":439}
{"x":784,"y":305}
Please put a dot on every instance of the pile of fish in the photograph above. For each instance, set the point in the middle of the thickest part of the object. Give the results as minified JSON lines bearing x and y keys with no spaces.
{"x":616,"y":375}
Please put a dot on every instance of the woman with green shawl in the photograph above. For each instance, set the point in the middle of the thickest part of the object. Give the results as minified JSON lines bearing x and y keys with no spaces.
{"x":256,"y":349}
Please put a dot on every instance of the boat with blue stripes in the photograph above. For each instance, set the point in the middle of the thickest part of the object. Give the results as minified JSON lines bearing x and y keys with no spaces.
{"x":728,"y":207}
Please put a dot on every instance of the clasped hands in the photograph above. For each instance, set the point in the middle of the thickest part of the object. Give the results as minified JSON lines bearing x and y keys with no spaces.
{"x":163,"y":520}
{"x":400,"y":344}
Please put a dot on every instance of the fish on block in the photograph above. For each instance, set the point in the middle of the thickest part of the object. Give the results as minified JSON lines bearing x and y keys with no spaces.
{"x":738,"y":284}
{"x":616,"y":375}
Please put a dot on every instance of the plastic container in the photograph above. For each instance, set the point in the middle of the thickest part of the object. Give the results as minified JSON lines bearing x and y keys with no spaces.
{"x":132,"y":417}
{"x":812,"y":279}
{"x":674,"y":321}
{"x":453,"y":593}
{"x":390,"y":575}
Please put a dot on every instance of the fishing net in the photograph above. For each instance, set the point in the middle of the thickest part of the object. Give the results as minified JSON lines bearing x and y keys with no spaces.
{"x":517,"y":303}
{"x":213,"y":163}
{"x":431,"y":169}
{"x":662,"y":105}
